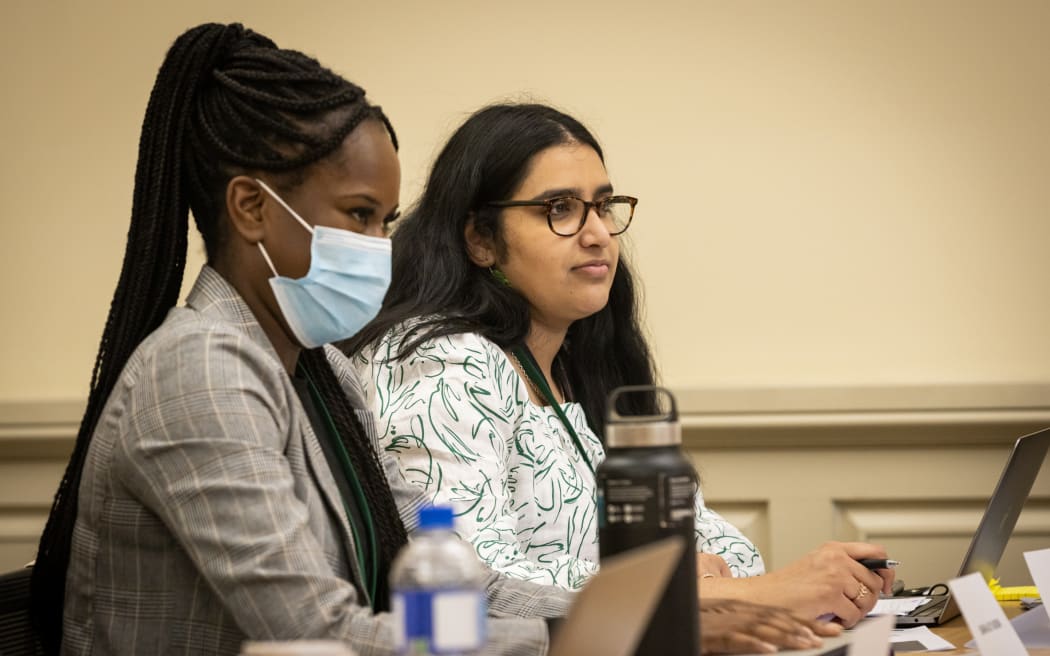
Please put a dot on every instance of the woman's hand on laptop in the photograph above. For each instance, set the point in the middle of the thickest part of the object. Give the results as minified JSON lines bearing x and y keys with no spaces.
{"x":734,"y":626}
{"x":826,"y":581}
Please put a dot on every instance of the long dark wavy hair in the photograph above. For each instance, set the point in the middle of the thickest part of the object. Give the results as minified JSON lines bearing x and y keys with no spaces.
{"x":434,"y":278}
{"x":226,"y":101}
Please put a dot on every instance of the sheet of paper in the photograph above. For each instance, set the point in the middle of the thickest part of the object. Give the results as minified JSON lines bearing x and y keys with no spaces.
{"x":984,"y":617}
{"x":918,"y":638}
{"x":1039,"y":567}
{"x":898,"y":605}
{"x":1032,"y":627}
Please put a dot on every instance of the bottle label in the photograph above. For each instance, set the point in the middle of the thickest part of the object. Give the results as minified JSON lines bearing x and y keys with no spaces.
{"x":661,"y":499}
{"x":442,"y":621}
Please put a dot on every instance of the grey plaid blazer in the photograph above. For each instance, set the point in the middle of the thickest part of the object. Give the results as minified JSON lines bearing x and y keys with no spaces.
{"x":208,"y":514}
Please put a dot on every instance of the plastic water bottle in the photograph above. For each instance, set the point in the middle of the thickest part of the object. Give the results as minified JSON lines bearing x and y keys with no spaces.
{"x":437,"y":590}
{"x":646,"y":491}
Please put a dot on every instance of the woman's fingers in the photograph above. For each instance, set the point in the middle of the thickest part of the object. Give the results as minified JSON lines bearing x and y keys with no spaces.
{"x":858,"y":550}
{"x":863,"y":596}
{"x":742,"y":626}
{"x":779,"y":626}
{"x":738,"y":643}
{"x":845,"y":608}
{"x":824,"y":629}
{"x":874,"y":580}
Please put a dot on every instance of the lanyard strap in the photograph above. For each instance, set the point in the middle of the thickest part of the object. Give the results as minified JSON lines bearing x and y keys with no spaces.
{"x":532,"y":370}
{"x":370,"y":569}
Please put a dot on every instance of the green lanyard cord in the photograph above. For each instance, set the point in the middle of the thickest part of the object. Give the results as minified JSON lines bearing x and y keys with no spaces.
{"x":372,"y":574}
{"x":532,"y":370}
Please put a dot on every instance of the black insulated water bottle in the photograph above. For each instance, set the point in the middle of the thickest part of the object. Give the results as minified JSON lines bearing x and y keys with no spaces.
{"x":646,"y":490}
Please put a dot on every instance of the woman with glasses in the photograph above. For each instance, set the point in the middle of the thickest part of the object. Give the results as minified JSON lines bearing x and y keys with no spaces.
{"x":511,"y":316}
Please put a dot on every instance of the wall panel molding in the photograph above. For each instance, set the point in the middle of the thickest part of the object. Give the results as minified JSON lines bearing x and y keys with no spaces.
{"x":38,"y":429}
{"x":930,"y":537}
{"x":752,"y":518}
{"x":796,"y":417}
{"x":791,"y":467}
{"x":901,"y":415}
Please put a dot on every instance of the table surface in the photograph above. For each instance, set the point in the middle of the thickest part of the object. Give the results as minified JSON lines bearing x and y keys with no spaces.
{"x":956,"y":633}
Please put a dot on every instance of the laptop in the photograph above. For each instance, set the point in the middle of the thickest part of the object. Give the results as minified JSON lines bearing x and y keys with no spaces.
{"x":611,"y":612}
{"x":995,"y":528}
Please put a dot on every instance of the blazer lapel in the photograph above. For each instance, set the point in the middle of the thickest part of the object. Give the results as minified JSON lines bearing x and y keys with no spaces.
{"x":322,"y":476}
{"x":213,"y":295}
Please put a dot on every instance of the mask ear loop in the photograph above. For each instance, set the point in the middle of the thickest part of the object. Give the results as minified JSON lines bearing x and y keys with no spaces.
{"x":294,"y":214}
{"x":266,"y":257}
{"x":280,"y":200}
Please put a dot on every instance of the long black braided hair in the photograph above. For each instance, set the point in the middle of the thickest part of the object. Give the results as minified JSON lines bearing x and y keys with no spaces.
{"x":226,"y":101}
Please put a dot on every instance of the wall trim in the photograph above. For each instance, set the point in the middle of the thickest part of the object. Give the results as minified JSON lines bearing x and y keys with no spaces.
{"x":38,"y":429}
{"x":723,"y":418}
{"x":865,"y":398}
{"x":862,"y":416}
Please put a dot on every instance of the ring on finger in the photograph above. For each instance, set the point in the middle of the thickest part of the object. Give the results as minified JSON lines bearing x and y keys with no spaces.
{"x":862,"y":591}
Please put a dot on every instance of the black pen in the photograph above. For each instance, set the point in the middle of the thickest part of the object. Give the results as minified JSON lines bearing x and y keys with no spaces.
{"x":878,"y":563}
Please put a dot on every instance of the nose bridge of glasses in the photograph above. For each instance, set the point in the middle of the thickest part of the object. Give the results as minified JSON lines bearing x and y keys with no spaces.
{"x":589,"y":206}
{"x":607,"y":221}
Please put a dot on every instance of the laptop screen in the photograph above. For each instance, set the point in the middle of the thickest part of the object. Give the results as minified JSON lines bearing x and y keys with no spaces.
{"x":1004,"y":507}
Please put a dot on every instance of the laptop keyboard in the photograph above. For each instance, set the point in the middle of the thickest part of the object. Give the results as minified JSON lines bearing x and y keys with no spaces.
{"x":933,"y":608}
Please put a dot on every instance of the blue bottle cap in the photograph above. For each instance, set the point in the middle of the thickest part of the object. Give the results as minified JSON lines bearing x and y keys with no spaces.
{"x":435,"y":517}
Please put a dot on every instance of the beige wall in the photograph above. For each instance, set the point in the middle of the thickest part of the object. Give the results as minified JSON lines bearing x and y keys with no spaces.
{"x":833,"y":193}
{"x":842,"y":235}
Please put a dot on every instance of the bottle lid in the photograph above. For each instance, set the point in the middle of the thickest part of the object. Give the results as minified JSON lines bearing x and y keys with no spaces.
{"x":646,"y":430}
{"x":435,"y":517}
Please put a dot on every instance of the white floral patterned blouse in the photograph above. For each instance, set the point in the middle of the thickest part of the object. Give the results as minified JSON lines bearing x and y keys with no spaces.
{"x":458,"y":417}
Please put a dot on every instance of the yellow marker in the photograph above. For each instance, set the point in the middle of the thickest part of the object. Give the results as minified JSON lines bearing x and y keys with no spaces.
{"x":1013,"y":592}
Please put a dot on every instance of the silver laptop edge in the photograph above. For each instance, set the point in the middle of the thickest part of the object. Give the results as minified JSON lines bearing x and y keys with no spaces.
{"x":1000,"y":517}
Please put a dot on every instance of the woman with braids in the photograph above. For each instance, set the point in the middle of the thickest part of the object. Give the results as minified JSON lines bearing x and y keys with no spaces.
{"x":224,"y":483}
{"x":510,"y":317}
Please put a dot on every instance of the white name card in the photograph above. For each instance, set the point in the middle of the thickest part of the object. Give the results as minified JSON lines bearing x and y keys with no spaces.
{"x":1039,"y":567}
{"x":984,"y":617}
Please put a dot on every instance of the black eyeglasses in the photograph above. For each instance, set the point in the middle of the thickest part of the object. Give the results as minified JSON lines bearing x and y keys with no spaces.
{"x":566,"y":215}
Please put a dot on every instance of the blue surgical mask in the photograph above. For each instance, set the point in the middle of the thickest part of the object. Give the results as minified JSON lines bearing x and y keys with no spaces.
{"x":344,"y":288}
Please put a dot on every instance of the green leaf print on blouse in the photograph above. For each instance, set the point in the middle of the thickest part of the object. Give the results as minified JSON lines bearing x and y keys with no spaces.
{"x":457,"y":416}
{"x":469,"y":500}
{"x":715,"y":535}
{"x":458,"y":419}
{"x":418,"y":469}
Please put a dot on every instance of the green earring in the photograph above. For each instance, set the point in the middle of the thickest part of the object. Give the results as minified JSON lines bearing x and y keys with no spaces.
{"x":499,"y":275}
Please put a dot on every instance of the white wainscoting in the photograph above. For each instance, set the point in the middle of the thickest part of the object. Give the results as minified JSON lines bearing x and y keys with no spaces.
{"x":909,"y":467}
